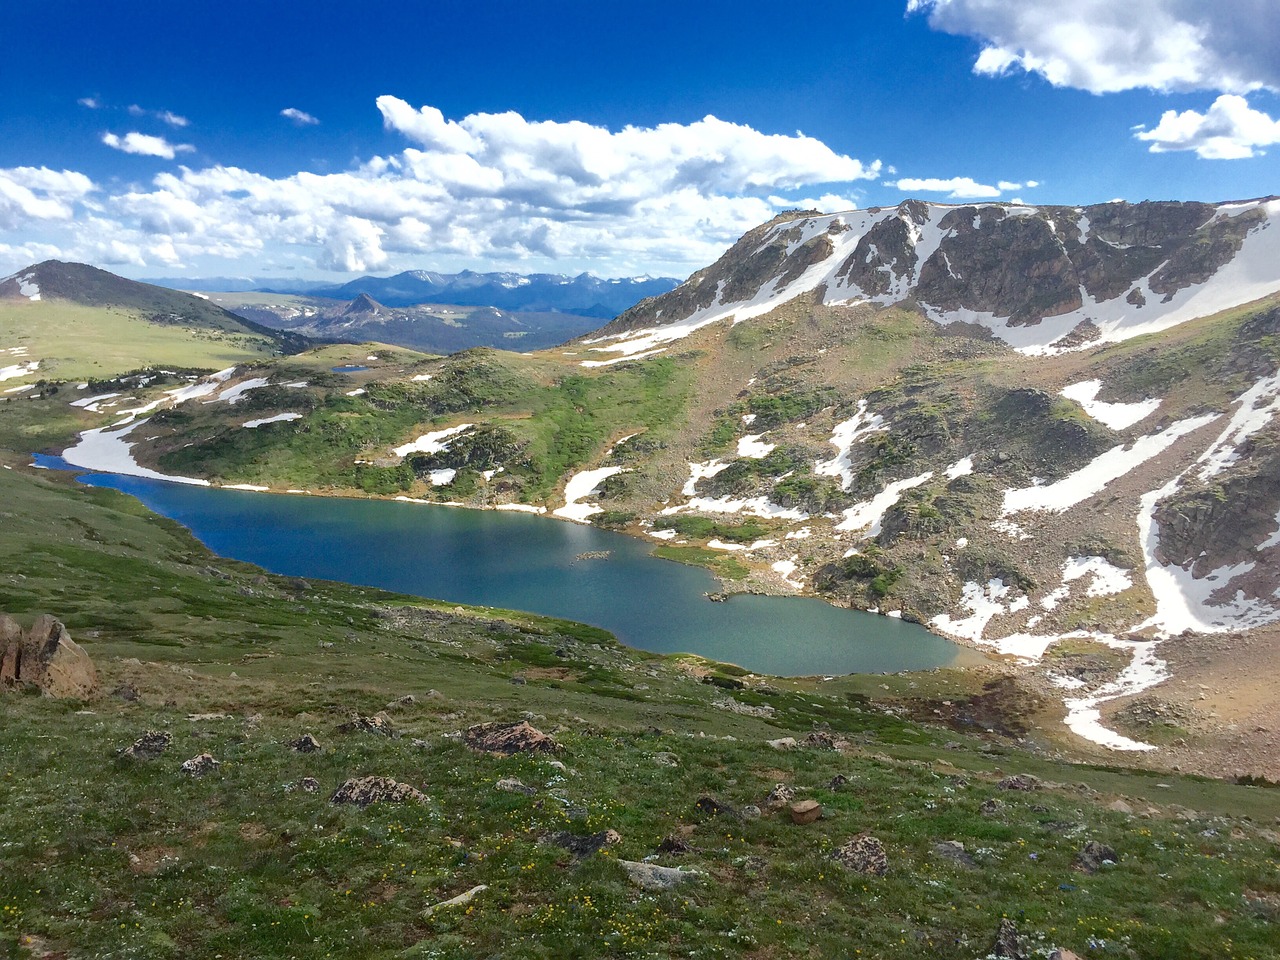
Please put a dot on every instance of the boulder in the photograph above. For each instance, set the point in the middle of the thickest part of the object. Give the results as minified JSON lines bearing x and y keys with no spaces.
{"x":805,"y":811}
{"x":509,"y":738}
{"x":305,"y":744}
{"x":863,"y":854}
{"x":309,"y":784}
{"x":148,"y":746}
{"x":512,"y":785}
{"x":650,"y":876}
{"x":1008,"y":942}
{"x":991,"y":807}
{"x":1093,"y":855}
{"x":199,"y":766}
{"x":953,"y":851}
{"x":363,"y":791}
{"x":1019,"y":781}
{"x":583,"y":845}
{"x":45,"y":657}
{"x":779,"y":797}
{"x":378,"y":724}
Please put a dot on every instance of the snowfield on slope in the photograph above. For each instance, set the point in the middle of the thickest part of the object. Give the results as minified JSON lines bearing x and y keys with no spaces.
{"x":1250,"y":275}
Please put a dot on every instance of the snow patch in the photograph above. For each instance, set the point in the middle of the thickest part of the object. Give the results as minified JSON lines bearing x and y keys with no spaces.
{"x":867,"y":515}
{"x":107,"y":451}
{"x":752,"y":448}
{"x":1117,"y":416}
{"x":1093,"y":478}
{"x":581,"y":485}
{"x":278,"y":418}
{"x":858,"y":427}
{"x":432,"y":442}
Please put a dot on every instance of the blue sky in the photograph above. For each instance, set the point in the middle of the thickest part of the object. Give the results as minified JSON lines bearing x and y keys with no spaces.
{"x":149,"y":137}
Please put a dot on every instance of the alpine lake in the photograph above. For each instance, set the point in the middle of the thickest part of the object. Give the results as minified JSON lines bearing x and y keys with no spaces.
{"x":520,"y":561}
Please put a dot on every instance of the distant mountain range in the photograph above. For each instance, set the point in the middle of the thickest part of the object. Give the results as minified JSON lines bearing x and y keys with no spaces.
{"x":583,"y":295}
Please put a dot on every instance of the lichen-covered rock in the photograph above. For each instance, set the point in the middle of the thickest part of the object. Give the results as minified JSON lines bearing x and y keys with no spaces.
{"x":148,"y":746}
{"x":376,"y":724}
{"x":779,"y":797}
{"x":1008,"y":943}
{"x":1094,"y":855}
{"x":199,"y":766}
{"x":651,"y":876}
{"x":863,"y":854}
{"x":509,"y":738}
{"x":305,"y":744}
{"x":363,"y":791}
{"x":1019,"y":781}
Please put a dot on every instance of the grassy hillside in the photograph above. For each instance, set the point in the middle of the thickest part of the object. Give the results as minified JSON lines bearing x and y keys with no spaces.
{"x":135,"y":858}
{"x":78,"y":342}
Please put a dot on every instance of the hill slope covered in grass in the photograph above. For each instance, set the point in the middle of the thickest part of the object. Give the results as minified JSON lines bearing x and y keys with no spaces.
{"x":112,"y":855}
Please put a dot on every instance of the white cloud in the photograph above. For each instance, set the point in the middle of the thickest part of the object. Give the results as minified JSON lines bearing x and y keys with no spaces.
{"x":1229,"y":130}
{"x":91,"y":102}
{"x":168,"y":116}
{"x":568,"y":161}
{"x":491,"y":188}
{"x":955,"y":188}
{"x":1104,"y":46}
{"x":31,"y":194}
{"x":300,"y":117}
{"x":145,"y":145}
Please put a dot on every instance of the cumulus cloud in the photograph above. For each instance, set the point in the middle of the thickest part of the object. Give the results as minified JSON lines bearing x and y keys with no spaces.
{"x":956,"y":188}
{"x":492,"y":188}
{"x":91,"y":102}
{"x":32,"y":194}
{"x":299,"y":117}
{"x":145,"y":145}
{"x":1103,"y":46}
{"x":575,"y":161}
{"x":1229,"y":130}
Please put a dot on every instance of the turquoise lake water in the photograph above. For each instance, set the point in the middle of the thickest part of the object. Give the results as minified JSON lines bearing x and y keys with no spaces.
{"x":524,"y":562}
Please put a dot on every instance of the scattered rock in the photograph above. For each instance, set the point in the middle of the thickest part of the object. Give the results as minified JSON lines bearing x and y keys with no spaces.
{"x":1019,"y":781}
{"x":825,"y":740}
{"x":1064,"y":955}
{"x":863,"y":854}
{"x":199,"y":766}
{"x":1093,"y":855}
{"x":363,"y":791}
{"x":305,"y":744}
{"x":783,"y":743}
{"x":461,"y":900}
{"x":991,"y":807}
{"x":953,"y":852}
{"x":838,"y":782}
{"x":805,"y":812}
{"x":751,"y":812}
{"x":512,"y":785}
{"x":1008,"y":943}
{"x":1119,"y":806}
{"x":674,"y":846}
{"x":309,"y":784}
{"x":45,"y":657}
{"x":402,"y":703}
{"x":650,"y":876}
{"x":709,"y":806}
{"x":779,"y":797}
{"x":509,"y":738}
{"x":378,"y":724}
{"x":584,"y":845}
{"x":126,"y":692}
{"x":148,"y":746}
{"x":666,"y":759}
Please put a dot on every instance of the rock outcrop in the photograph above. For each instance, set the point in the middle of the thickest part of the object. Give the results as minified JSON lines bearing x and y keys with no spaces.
{"x":45,"y":657}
